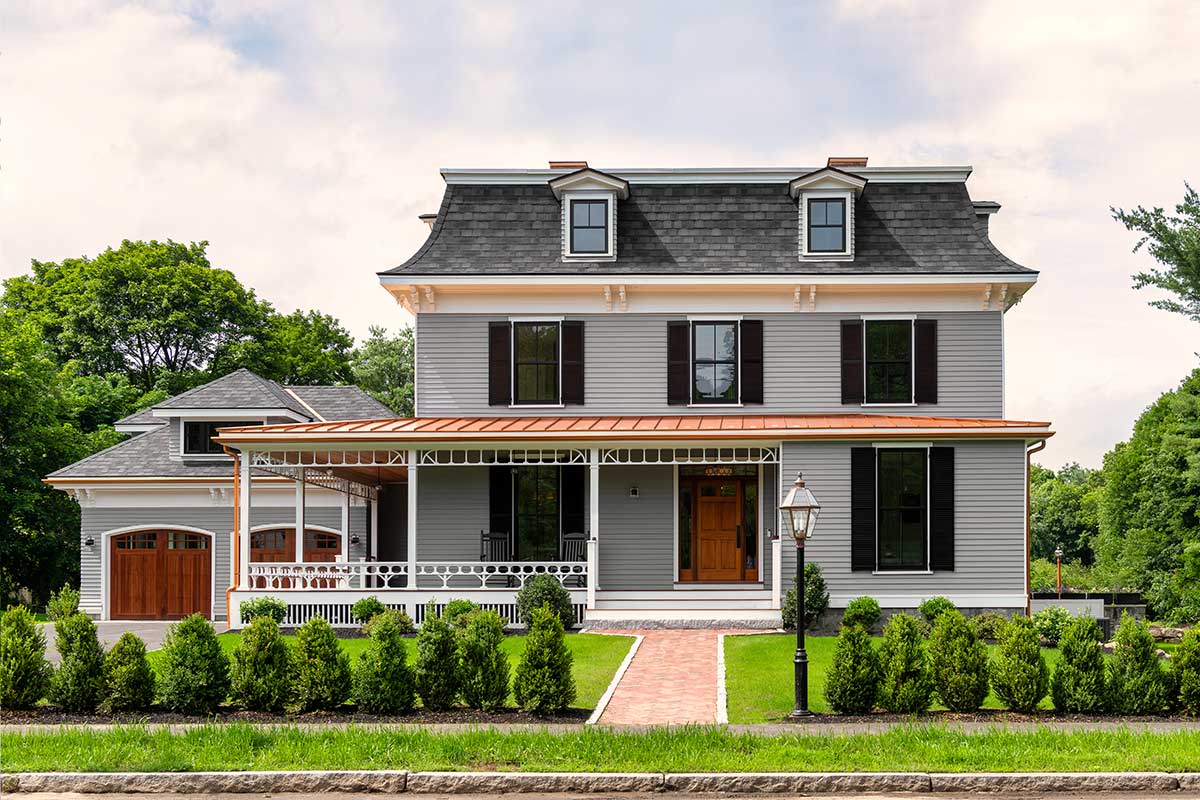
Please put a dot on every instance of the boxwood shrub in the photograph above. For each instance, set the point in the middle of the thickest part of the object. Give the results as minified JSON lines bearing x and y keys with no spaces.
{"x":193,"y":672}
{"x":458,"y":613}
{"x":367,"y":609}
{"x":545,"y":590}
{"x":322,"y":675}
{"x":934,"y":607}
{"x":128,"y":679}
{"x":483,"y":667}
{"x":907,"y":687}
{"x":959,"y":662}
{"x":63,"y":603}
{"x":260,"y":675}
{"x":78,"y":681}
{"x":1019,"y":674}
{"x":852,"y":683}
{"x":544,"y":683}
{"x":987,"y":626}
{"x":862,"y":611}
{"x":24,"y":671}
{"x":265,"y":606}
{"x":1077,"y":686}
{"x":1136,"y":681}
{"x":383,"y":681}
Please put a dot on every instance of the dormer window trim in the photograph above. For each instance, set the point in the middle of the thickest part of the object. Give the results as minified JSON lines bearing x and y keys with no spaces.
{"x":215,"y":422}
{"x":569,"y":198}
{"x":804,"y":207}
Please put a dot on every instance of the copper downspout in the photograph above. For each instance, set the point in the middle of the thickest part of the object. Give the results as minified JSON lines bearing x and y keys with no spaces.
{"x":237,"y":550}
{"x":1029,"y":451}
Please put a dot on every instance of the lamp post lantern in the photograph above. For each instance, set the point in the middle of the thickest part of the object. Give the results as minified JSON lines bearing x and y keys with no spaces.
{"x":1058,"y":569}
{"x":799,"y":511}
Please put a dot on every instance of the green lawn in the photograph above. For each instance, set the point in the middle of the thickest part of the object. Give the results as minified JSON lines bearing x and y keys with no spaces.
{"x":758,"y":675}
{"x":908,"y":748}
{"x":596,"y":658}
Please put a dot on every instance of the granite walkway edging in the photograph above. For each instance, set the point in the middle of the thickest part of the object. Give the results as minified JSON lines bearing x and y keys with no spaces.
{"x":397,"y":781}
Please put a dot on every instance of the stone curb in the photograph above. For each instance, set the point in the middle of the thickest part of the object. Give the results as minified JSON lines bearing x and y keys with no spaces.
{"x":396,"y":781}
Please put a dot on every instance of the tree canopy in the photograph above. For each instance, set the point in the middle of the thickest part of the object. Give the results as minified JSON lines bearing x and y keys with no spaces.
{"x":1174,"y":242}
{"x":384,"y":367}
{"x":1064,"y":511}
{"x":301,"y":348}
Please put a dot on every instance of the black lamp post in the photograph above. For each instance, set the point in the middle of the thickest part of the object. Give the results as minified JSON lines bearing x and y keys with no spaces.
{"x":799,"y":511}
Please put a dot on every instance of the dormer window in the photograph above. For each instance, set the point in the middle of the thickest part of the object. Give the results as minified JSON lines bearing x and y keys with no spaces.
{"x":198,"y":436}
{"x":825,"y":200}
{"x":589,"y":227}
{"x":827,"y":225}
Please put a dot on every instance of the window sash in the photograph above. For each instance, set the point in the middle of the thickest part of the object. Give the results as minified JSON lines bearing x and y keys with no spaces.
{"x":197,"y":436}
{"x":713,"y":365}
{"x":887,"y":378}
{"x":589,"y":226}
{"x":535,"y":379}
{"x":839,"y":227}
{"x":537,"y":505}
{"x":902,"y":509}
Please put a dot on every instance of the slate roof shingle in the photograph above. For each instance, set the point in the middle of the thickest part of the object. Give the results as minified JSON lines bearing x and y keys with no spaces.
{"x":239,"y":389}
{"x":342,"y":402}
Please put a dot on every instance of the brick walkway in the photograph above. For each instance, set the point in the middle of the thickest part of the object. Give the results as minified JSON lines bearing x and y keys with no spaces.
{"x":672,"y":680}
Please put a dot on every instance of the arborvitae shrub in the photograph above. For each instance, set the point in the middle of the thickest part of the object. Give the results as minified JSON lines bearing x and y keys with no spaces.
{"x":862,"y":611}
{"x":458,"y":611}
{"x":367,"y":609}
{"x":1078,"y":685}
{"x":1019,"y":674}
{"x":544,"y":683}
{"x":265,"y":606}
{"x":78,"y":682}
{"x":63,"y":603}
{"x":907,"y":687}
{"x":959,"y":662}
{"x":987,"y":626}
{"x":852,"y":683}
{"x":1186,"y":666}
{"x":1136,"y":681}
{"x":545,"y":590}
{"x":1050,"y":623}
{"x":193,"y":672}
{"x":24,"y":671}
{"x":816,"y":597}
{"x":128,"y":679}
{"x":383,"y":681}
{"x":393,"y":616}
{"x":322,"y":676}
{"x":934,"y":607}
{"x":483,"y":667}
{"x":435,"y":672}
{"x":260,"y":675}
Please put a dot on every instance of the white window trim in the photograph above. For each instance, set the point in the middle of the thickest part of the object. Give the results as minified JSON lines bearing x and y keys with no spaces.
{"x":802,"y":210}
{"x":736,"y":319}
{"x":911,"y":319}
{"x":512,"y":360}
{"x":610,"y":254}
{"x":903,"y":446}
{"x":185,"y":455}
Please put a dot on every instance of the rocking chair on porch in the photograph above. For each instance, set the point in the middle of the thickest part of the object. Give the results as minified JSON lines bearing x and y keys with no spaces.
{"x":573,"y":548}
{"x":496,"y":547}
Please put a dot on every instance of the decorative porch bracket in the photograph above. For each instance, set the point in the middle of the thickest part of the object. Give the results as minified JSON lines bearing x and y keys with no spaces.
{"x":691,"y":455}
{"x":463,"y":457}
{"x":313,"y":476}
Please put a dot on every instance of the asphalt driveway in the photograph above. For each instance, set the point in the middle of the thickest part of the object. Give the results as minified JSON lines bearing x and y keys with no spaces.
{"x":151,"y":632}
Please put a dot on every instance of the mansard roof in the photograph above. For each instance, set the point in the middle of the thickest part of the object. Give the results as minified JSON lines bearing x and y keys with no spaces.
{"x":906,"y":226}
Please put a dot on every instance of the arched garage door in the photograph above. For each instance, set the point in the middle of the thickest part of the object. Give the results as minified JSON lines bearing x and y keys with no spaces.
{"x":279,"y":544}
{"x":160,"y":574}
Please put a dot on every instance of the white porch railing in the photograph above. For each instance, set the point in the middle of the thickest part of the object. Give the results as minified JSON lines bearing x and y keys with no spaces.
{"x":364,"y":575}
{"x":328,"y":575}
{"x":497,"y":574}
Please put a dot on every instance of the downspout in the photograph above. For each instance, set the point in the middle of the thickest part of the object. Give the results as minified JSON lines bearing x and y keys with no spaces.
{"x":237,"y":549}
{"x":1029,"y":451}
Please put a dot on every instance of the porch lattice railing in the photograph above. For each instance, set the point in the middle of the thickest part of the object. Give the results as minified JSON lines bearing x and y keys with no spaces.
{"x":430,"y":574}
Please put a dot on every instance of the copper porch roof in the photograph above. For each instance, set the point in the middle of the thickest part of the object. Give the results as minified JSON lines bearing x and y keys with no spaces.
{"x":692,"y":426}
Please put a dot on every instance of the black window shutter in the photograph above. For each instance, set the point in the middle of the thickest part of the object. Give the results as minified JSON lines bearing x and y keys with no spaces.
{"x":752,"y":360}
{"x":862,"y":509}
{"x":499,"y":364}
{"x":852,"y":361}
{"x":678,"y":366}
{"x":572,"y":362}
{"x":925,"y":390}
{"x":500,"y":499}
{"x":573,"y":479}
{"x":941,"y":508}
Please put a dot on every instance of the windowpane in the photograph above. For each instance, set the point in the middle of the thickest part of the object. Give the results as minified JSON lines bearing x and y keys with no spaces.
{"x":903,"y":504}
{"x":714,"y":362}
{"x":725,"y":337}
{"x":589,"y":240}
{"x":685,"y":525}
{"x":598,"y":213}
{"x":582,"y":214}
{"x":535,"y":362}
{"x":197,"y":436}
{"x":817,"y":215}
{"x":537,"y":517}
{"x":589,"y":226}
{"x":833,"y":213}
{"x":750,"y":518}
{"x":725,"y":385}
{"x":825,"y":239}
{"x":827,"y":226}
{"x":889,"y":361}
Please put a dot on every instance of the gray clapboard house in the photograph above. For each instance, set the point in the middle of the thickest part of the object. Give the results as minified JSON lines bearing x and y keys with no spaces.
{"x":619,"y":372}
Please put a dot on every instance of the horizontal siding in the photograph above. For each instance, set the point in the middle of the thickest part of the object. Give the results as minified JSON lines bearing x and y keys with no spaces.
{"x":636,"y":541}
{"x":989,"y":521}
{"x":625,"y":365}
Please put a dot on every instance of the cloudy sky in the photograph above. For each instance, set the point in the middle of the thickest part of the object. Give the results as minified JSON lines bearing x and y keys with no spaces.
{"x":302,"y":139}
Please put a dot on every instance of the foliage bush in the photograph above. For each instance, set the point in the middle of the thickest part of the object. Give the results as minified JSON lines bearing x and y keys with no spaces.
{"x":457,"y":612}
{"x":1186,"y":668}
{"x":907,"y":686}
{"x":864,"y":611}
{"x":852,"y":682}
{"x":987,"y":626}
{"x":128,"y":679}
{"x":78,"y":681}
{"x":545,"y":590}
{"x":393,"y":616}
{"x":934,"y":607}
{"x":1136,"y":681}
{"x":1078,"y":686}
{"x":1050,"y":623}
{"x":193,"y":671}
{"x":63,"y":603}
{"x":958,"y":662}
{"x":260,"y":675}
{"x":24,"y":671}
{"x":383,"y":681}
{"x":1019,"y":674}
{"x":435,"y":673}
{"x":544,"y":682}
{"x":271,"y":607}
{"x":322,"y":676}
{"x":483,"y":667}
{"x":816,"y":598}
{"x":367,"y":609}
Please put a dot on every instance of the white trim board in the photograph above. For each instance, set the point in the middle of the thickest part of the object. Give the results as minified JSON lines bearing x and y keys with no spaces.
{"x":669,"y":175}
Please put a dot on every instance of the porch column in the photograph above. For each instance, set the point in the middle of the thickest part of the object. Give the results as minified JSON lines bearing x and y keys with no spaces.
{"x":373,"y":541}
{"x":777,"y":571}
{"x":593,"y":550}
{"x":299,"y":537}
{"x":411,"y":518}
{"x":346,"y":526}
{"x":244,"y":523}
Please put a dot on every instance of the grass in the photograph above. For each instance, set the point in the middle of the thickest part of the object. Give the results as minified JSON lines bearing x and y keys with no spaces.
{"x":596,"y":658}
{"x":910,"y":748}
{"x":758,"y":675}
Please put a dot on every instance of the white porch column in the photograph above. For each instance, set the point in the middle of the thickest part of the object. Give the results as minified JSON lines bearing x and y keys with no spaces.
{"x":373,"y":541}
{"x":777,"y":571}
{"x":411,"y":518}
{"x":593,"y":550}
{"x":346,"y":526}
{"x":300,"y":500}
{"x":244,"y":523}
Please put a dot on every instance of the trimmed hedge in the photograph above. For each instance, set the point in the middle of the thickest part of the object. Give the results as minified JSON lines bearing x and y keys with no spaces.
{"x":435,"y":672}
{"x":959,"y":662}
{"x":544,"y":682}
{"x":934,"y":607}
{"x":24,"y":670}
{"x":1137,"y":683}
{"x":265,"y":606}
{"x":987,"y":626}
{"x":545,"y":590}
{"x":260,"y":676}
{"x":193,"y":672}
{"x":128,"y":678}
{"x":1019,"y":674}
{"x":78,"y":681}
{"x":322,"y":677}
{"x":367,"y":609}
{"x":383,"y":681}
{"x":852,"y":682}
{"x":483,"y":667}
{"x":458,"y":613}
{"x":1078,"y":684}
{"x":907,"y":686}
{"x":864,"y":611}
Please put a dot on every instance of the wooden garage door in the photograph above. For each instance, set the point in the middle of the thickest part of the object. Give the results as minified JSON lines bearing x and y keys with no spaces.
{"x":160,"y":574}
{"x":279,"y":545}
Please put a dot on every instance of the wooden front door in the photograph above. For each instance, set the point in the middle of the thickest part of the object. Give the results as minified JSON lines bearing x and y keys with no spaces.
{"x":160,"y":574}
{"x":718,"y":530}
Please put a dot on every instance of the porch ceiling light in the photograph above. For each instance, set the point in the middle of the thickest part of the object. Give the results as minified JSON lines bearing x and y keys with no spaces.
{"x":801,"y":510}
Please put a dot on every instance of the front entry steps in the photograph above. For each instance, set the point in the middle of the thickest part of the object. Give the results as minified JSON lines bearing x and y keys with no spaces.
{"x":726,"y":609}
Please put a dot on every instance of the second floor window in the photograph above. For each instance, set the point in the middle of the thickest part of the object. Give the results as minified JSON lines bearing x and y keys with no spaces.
{"x":198,"y":436}
{"x":589,"y":227}
{"x":827,"y":225}
{"x":535,"y":363}
{"x":889,"y":365}
{"x":714,"y":362}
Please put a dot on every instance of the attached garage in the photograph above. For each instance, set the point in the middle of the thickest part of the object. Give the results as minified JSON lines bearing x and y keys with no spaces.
{"x":160,"y":573}
{"x":278,"y":544}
